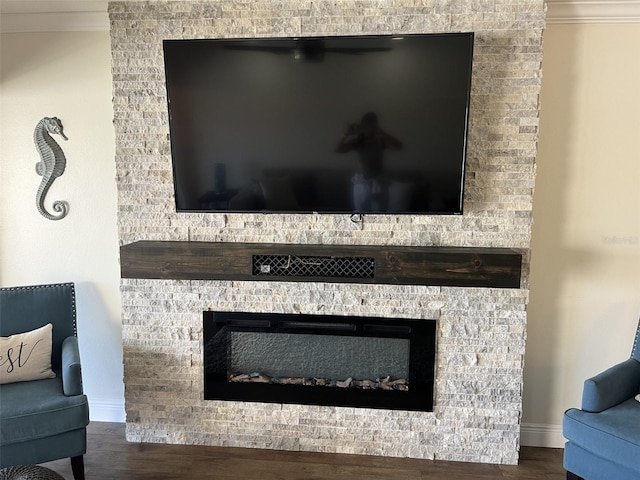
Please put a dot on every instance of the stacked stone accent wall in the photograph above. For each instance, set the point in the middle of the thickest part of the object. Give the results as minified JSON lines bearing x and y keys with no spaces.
{"x":481,"y":332}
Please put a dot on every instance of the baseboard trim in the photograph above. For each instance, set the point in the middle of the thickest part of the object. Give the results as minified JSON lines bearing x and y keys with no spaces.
{"x":101,"y":411}
{"x":539,"y":435}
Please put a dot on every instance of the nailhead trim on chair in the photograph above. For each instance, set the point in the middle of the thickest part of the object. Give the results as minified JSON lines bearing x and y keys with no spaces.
{"x":635,"y":342}
{"x":53,"y":285}
{"x":30,"y":472}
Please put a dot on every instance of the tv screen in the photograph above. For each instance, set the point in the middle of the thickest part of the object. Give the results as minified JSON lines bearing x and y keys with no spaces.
{"x":363,"y":124}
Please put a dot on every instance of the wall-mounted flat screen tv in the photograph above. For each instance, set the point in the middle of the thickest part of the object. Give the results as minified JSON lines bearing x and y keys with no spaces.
{"x":363,"y":124}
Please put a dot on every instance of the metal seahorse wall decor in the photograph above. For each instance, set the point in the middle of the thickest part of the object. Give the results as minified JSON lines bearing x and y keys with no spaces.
{"x":51,"y":165}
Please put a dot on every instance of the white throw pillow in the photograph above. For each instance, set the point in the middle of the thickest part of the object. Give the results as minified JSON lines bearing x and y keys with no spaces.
{"x":26,"y":356}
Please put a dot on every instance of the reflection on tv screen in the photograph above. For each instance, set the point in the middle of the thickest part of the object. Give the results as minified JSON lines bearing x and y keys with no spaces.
{"x":333,"y":124}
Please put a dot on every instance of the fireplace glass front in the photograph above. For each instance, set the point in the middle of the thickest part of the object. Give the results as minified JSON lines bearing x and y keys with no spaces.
{"x":319,"y":360}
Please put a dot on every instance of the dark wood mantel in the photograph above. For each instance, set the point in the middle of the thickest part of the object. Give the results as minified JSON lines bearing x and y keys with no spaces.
{"x":397,"y":265}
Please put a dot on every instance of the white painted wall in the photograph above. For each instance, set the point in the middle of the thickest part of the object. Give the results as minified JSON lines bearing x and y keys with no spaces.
{"x":585,"y":280}
{"x":65,"y":75}
{"x":585,"y":274}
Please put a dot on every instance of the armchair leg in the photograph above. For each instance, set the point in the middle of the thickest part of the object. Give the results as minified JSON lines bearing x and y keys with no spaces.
{"x":573,"y":476}
{"x":77,"y":467}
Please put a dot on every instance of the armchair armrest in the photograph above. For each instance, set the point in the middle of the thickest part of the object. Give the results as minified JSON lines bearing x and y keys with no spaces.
{"x":611,"y":387}
{"x":71,"y":370}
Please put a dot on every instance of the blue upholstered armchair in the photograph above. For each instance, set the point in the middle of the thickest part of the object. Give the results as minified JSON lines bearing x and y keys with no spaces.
{"x":42,"y":420}
{"x":604,"y":436}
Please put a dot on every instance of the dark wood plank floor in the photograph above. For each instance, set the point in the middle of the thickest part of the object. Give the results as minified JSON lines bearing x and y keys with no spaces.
{"x":109,"y":456}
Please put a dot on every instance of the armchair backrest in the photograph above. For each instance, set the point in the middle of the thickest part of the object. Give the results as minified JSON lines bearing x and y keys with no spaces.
{"x":636,"y":345}
{"x":26,"y":308}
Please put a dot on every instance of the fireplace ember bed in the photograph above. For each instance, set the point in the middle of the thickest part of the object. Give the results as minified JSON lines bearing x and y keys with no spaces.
{"x":364,"y":362}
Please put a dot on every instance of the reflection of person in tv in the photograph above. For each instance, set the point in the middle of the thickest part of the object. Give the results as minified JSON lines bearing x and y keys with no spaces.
{"x":370,"y":187}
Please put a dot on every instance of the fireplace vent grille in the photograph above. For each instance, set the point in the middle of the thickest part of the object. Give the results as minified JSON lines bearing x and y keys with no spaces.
{"x":313,"y":266}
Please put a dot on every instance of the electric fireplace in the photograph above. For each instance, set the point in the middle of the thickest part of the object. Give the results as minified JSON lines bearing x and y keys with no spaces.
{"x":319,"y":360}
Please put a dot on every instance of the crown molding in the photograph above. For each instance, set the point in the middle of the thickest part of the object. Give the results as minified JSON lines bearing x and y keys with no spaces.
{"x":593,"y":11}
{"x":91,"y":15}
{"x":53,"y":16}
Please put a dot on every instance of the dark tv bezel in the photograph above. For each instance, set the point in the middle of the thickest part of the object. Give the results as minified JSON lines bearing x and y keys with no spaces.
{"x":458,"y":212}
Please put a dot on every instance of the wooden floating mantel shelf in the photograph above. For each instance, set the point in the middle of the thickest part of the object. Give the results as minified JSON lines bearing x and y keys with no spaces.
{"x":396,"y":265}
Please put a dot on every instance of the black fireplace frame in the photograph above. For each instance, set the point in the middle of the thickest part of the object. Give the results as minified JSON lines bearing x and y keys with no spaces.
{"x":422,"y":347}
